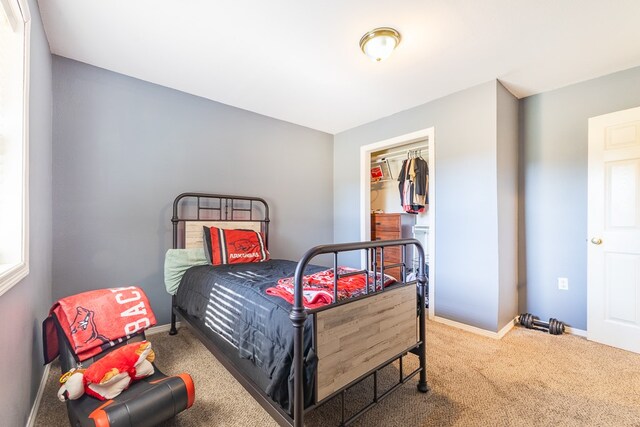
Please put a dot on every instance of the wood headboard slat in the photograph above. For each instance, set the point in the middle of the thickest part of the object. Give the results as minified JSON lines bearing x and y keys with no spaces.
{"x":193,"y":229}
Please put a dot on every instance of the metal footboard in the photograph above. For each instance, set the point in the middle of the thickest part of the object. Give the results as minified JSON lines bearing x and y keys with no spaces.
{"x":299,"y":315}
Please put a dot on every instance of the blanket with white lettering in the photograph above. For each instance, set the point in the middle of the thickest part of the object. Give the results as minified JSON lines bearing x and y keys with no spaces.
{"x":96,"y":320}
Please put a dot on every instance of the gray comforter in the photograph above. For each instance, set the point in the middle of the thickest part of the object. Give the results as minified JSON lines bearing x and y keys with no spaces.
{"x":230,"y":300}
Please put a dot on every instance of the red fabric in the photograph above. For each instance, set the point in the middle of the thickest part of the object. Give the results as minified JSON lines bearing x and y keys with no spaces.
{"x":237,"y":246}
{"x":91,"y":320}
{"x":216,"y":253}
{"x":123,"y":359}
{"x":317,"y":289}
{"x":311,"y":297}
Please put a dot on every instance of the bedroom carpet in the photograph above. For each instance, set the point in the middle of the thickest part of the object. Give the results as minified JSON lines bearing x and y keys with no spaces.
{"x":526,"y":379}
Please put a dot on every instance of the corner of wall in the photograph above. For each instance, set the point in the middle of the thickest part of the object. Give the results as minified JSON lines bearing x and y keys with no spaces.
{"x":507,"y":125}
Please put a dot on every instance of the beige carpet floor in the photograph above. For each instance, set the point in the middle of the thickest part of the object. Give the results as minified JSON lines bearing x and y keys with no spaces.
{"x":526,"y":379}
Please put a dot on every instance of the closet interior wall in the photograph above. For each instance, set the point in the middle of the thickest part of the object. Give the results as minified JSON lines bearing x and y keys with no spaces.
{"x":385,"y":196}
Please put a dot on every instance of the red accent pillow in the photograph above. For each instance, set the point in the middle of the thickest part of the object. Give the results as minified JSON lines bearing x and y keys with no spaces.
{"x":234,"y":246}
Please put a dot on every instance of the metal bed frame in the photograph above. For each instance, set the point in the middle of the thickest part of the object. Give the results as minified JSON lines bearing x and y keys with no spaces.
{"x":227,"y":210}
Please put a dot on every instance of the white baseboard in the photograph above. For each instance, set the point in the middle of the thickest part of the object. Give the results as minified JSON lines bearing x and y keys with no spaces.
{"x":473,"y":329}
{"x":575,"y":331}
{"x":160,"y":329}
{"x":502,"y":332}
{"x":36,"y":403}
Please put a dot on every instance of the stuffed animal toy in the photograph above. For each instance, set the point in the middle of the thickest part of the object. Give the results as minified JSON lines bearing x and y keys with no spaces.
{"x":109,"y":376}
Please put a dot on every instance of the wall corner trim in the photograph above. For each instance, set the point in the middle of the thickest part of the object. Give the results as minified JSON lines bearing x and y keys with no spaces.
{"x":36,"y":403}
{"x":506,"y":328}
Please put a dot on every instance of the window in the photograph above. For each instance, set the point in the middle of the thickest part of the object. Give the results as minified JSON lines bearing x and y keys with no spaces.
{"x":14,"y":96}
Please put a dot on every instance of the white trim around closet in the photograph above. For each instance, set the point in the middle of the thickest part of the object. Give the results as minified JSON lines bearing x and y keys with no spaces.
{"x":365,"y":196}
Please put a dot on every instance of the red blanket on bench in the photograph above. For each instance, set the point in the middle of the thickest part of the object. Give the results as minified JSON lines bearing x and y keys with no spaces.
{"x":317,"y":289}
{"x":96,"y":320}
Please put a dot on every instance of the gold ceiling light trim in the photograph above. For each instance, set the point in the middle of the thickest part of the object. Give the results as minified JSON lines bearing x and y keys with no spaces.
{"x":379,"y":43}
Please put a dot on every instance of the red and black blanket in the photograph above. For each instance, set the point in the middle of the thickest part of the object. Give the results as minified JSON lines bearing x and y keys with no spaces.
{"x":317,"y":289}
{"x":96,"y":320}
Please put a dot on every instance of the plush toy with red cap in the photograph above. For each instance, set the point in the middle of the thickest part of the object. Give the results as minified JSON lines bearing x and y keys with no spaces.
{"x":109,"y":376}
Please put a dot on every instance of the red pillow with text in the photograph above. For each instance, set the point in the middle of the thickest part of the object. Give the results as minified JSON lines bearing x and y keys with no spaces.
{"x":234,"y":246}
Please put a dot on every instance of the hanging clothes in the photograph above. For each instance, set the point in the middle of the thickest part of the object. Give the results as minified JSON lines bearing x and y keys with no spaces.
{"x":421,"y":173}
{"x":413,"y":185}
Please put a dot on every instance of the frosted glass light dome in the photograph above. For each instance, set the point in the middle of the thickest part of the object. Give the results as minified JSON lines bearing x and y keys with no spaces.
{"x":378,"y":44}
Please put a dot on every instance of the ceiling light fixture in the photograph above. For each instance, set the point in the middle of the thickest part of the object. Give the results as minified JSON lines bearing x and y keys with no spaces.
{"x":379,"y":43}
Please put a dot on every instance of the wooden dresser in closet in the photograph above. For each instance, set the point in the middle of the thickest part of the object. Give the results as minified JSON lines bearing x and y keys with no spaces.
{"x":391,"y":226}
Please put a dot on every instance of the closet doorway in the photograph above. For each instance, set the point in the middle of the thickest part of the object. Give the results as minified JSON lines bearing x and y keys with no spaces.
{"x":382,"y":195}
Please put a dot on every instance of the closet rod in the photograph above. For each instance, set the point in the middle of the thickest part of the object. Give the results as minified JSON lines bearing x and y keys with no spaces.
{"x":399,"y":153}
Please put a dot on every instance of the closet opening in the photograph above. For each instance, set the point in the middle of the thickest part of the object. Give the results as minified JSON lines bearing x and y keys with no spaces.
{"x":388,"y":213}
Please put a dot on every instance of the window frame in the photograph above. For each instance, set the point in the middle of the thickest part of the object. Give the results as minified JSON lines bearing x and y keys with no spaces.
{"x":18,"y":14}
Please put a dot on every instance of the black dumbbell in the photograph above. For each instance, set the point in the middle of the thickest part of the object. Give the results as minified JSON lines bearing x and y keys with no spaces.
{"x":554,"y":326}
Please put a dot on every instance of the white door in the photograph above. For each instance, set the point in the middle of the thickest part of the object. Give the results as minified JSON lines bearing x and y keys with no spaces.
{"x":613,"y":315}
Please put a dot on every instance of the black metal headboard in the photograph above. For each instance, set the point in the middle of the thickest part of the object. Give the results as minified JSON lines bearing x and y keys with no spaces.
{"x":219,"y":207}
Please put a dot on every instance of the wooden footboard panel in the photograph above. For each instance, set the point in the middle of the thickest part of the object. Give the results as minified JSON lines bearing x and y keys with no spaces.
{"x":355,"y":338}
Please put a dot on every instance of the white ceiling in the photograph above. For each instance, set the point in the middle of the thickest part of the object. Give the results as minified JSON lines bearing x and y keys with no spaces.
{"x":299,"y":60}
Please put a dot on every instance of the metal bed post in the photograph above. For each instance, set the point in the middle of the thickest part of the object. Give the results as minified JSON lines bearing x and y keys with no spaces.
{"x":422,"y":349}
{"x":335,"y":276}
{"x":298,"y":316}
{"x":174,"y":223}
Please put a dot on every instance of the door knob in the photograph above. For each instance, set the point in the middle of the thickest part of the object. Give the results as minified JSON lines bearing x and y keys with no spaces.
{"x":596,"y":241}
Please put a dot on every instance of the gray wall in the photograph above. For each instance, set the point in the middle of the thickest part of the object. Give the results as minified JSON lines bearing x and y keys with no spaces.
{"x":124,"y":148}
{"x":507,"y":154}
{"x":25,"y":305}
{"x":466,"y":190}
{"x":553,"y":219}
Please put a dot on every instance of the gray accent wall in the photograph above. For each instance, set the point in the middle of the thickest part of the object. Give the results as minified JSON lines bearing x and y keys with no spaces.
{"x":466,"y":162}
{"x":125,"y":148}
{"x":25,"y":305}
{"x":553,"y":222}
